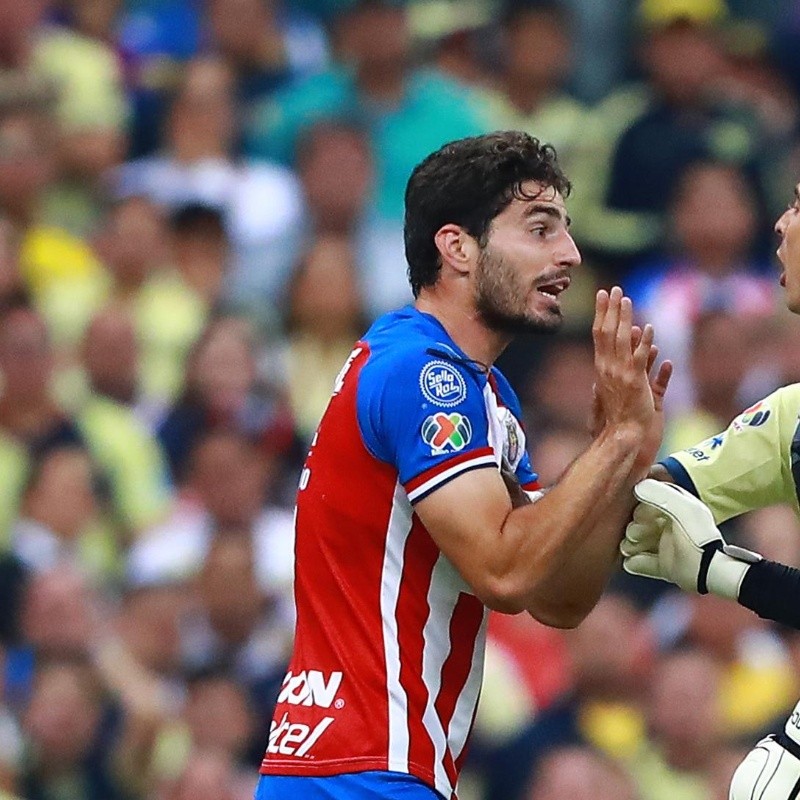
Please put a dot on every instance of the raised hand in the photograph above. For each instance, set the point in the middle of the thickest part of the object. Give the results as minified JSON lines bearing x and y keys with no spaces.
{"x":623,"y":357}
{"x":659,"y":382}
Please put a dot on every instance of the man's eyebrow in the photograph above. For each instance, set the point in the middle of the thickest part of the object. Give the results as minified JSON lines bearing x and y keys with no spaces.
{"x":550,"y":211}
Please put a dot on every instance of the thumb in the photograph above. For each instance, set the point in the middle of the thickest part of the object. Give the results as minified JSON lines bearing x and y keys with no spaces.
{"x":646,"y":565}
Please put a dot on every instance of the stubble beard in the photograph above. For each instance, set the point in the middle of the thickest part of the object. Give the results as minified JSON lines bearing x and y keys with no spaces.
{"x":501,"y":300}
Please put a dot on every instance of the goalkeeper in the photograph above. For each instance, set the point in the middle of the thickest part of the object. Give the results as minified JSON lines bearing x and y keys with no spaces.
{"x":673,"y":535}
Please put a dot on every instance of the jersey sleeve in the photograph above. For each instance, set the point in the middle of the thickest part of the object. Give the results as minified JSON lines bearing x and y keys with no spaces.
{"x":426,"y":416}
{"x":749,"y":465}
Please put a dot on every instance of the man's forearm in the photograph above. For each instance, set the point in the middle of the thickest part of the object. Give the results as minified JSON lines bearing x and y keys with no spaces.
{"x":552,"y":533}
{"x":584,"y":575}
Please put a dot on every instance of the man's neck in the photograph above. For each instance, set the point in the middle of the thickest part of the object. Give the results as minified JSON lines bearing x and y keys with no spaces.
{"x":465,"y":327}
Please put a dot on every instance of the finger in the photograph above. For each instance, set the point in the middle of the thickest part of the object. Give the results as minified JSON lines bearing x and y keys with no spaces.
{"x":629,"y":548}
{"x":647,"y":513}
{"x":642,"y":353}
{"x":660,"y":383}
{"x":600,"y":311}
{"x":645,"y":564}
{"x":644,"y":536}
{"x":636,"y":337}
{"x":625,"y":330}
{"x":608,"y":330}
{"x":651,"y":358}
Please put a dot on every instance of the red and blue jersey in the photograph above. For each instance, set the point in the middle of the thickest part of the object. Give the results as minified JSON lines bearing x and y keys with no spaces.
{"x":388,"y":656}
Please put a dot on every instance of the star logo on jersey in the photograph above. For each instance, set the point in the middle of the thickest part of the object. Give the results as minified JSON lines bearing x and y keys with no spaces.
{"x":446,"y":433}
{"x":442,"y":384}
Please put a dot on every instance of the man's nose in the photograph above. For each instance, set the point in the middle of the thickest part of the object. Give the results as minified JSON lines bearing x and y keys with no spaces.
{"x":571,"y":256}
{"x":780,"y":225}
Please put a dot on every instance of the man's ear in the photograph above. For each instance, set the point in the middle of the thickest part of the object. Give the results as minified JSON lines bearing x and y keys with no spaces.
{"x":458,"y":250}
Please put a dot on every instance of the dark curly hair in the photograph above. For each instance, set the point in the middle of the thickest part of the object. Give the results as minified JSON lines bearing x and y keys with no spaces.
{"x":468,"y":183}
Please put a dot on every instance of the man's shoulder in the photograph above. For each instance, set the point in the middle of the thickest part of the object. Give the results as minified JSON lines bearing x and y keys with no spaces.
{"x":787,"y":394}
{"x":408,"y":350}
{"x":404,"y":338}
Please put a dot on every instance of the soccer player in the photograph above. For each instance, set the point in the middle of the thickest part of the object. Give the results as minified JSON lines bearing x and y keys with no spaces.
{"x":754,"y":463}
{"x":406,"y":533}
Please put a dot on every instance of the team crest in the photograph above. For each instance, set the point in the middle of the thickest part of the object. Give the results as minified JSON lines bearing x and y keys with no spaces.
{"x":446,"y":433}
{"x":514,"y":438}
{"x":442,"y":384}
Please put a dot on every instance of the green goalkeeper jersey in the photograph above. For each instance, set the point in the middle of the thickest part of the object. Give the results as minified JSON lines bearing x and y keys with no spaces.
{"x":752,"y":464}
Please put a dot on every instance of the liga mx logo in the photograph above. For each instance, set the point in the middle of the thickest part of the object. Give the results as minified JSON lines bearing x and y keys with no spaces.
{"x":442,"y":384}
{"x":446,"y":433}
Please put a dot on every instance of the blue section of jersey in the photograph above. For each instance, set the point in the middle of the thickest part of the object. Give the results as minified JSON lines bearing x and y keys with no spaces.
{"x":420,"y":398}
{"x":353,"y":786}
{"x":679,"y":474}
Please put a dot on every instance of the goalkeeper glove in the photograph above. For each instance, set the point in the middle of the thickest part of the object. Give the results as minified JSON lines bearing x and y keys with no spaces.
{"x":771,"y":770}
{"x":673,"y":538}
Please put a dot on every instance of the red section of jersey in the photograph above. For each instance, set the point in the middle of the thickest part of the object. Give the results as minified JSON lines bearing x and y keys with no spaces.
{"x":466,"y":621}
{"x":413,"y":604}
{"x":388,"y":654}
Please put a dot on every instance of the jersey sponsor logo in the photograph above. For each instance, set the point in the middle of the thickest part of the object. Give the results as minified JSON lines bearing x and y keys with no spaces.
{"x":310,"y":688}
{"x":293,"y":738}
{"x":697,"y":454}
{"x":446,"y":433}
{"x":442,"y":384}
{"x":752,"y":417}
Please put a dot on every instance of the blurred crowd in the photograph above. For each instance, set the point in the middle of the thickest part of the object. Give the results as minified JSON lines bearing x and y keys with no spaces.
{"x":201,"y":209}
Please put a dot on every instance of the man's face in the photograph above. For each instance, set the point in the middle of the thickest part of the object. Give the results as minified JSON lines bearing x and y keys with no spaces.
{"x":788,"y":228}
{"x":526,"y":263}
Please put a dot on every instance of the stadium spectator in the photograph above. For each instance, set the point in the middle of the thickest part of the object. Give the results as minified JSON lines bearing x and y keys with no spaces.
{"x":224,"y":389}
{"x":718,"y":364}
{"x":267,"y":44}
{"x":335,"y":164}
{"x":713,"y":220}
{"x":373,"y":82}
{"x":608,"y":663}
{"x":324,"y":317}
{"x":695,"y":111}
{"x":685,"y":729}
{"x":582,"y":774}
{"x":198,"y":164}
{"x":64,"y":722}
{"x":57,"y":507}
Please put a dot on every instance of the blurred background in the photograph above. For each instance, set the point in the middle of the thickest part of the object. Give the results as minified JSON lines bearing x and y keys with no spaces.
{"x":201,"y":209}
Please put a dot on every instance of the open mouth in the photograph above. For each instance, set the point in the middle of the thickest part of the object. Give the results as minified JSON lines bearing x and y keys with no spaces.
{"x":553,"y":289}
